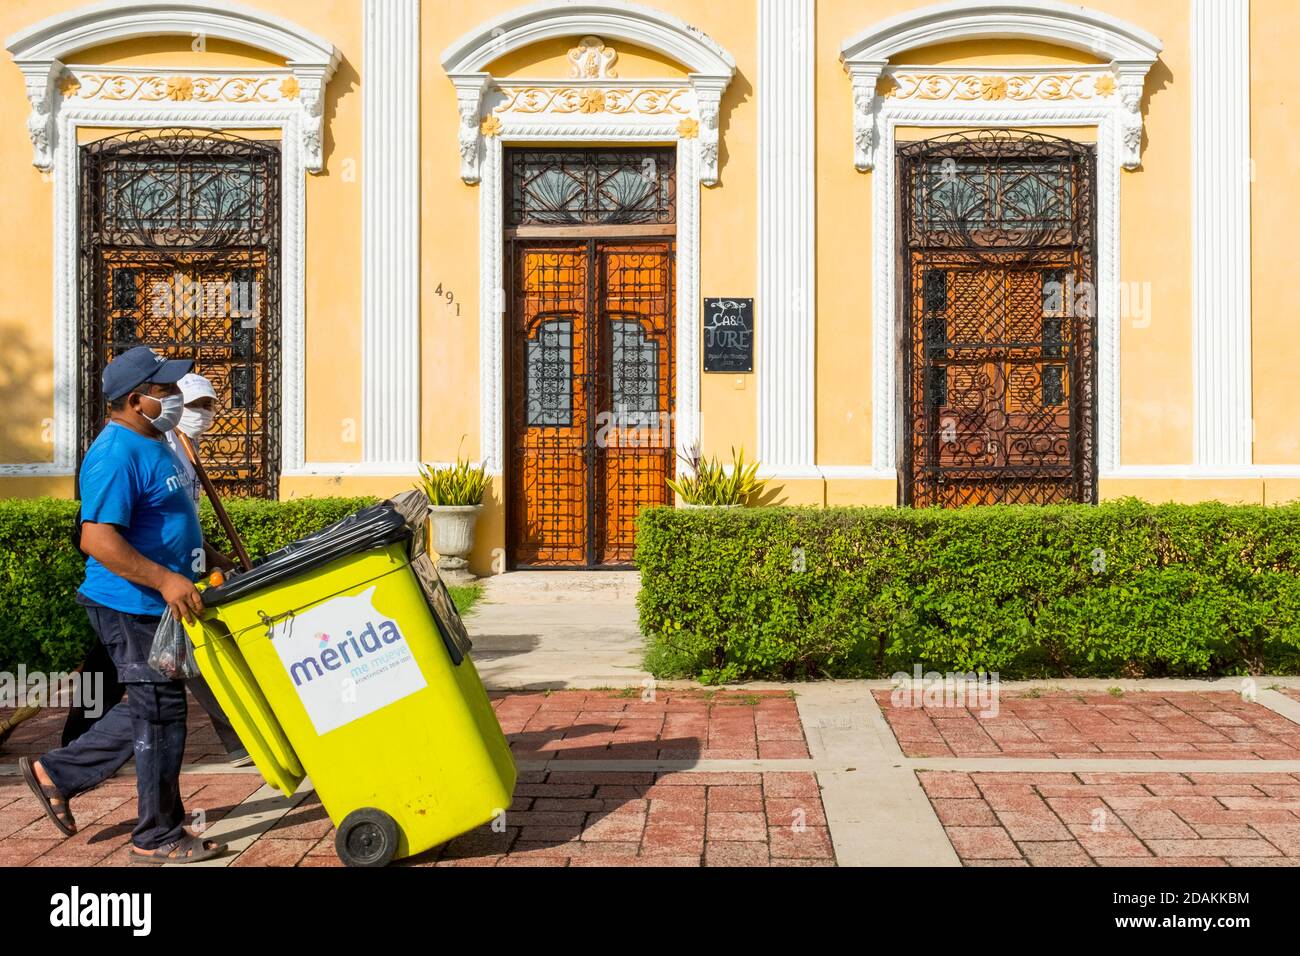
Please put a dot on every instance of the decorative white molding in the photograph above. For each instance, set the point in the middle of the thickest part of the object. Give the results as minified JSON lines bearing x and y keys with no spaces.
{"x":36,"y":469}
{"x":787,"y":239}
{"x":41,"y":50}
{"x":632,"y":97}
{"x":1131,"y":52}
{"x":390,"y":233}
{"x":355,"y":469}
{"x":607,"y":19}
{"x":84,"y":84}
{"x":467,"y":60}
{"x":1221,"y":268}
{"x":1011,"y":83}
{"x":886,"y":383}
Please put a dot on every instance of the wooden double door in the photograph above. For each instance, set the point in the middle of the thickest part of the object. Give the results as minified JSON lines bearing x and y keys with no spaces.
{"x":591,"y":372}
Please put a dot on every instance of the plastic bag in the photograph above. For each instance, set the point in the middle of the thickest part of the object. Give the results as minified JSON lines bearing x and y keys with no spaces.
{"x":172,"y":654}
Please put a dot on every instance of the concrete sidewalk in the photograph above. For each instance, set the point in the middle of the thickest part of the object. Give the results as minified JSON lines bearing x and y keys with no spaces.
{"x":540,"y":630}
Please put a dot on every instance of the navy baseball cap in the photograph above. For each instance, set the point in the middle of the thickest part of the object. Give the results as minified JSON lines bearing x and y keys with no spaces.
{"x":139,"y":365}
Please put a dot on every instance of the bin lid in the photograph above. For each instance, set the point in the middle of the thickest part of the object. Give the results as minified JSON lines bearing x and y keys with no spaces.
{"x":398,"y":519}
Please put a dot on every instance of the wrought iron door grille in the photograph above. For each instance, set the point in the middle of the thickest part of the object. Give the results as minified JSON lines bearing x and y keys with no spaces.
{"x":591,"y":187}
{"x":180,"y":251}
{"x":998,"y":307}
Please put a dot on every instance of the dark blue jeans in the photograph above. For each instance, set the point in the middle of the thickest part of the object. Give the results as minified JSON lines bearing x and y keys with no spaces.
{"x":148,"y":725}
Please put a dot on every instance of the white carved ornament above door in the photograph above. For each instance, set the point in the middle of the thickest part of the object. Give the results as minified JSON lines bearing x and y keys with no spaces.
{"x":592,"y":97}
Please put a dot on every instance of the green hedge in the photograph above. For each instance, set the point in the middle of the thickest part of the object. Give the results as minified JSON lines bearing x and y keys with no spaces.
{"x":1123,"y":589}
{"x":40,"y":570}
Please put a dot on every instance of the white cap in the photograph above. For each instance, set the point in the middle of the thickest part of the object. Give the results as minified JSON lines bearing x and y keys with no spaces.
{"x":194,"y":387}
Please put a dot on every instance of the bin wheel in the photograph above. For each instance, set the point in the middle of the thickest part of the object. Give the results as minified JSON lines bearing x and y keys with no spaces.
{"x":366,"y":837}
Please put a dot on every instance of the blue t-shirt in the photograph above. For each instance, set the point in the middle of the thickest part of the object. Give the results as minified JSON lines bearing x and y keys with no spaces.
{"x":135,"y":483}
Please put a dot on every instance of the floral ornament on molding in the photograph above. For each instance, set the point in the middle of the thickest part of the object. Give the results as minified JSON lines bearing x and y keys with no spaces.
{"x":993,"y":88}
{"x":180,"y":88}
{"x":149,"y":88}
{"x":533,"y":100}
{"x":688,"y":128}
{"x":491,"y":126}
{"x":903,"y":85}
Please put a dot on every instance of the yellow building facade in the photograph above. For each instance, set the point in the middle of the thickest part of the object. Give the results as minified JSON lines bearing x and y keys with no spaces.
{"x":899,"y":252}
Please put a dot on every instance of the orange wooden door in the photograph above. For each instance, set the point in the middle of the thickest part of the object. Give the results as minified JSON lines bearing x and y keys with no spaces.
{"x":634,"y":445}
{"x":550,"y":341}
{"x":591,"y":397}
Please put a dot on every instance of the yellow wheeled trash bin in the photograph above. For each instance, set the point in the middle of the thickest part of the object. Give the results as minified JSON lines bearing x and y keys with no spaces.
{"x":342,"y":657}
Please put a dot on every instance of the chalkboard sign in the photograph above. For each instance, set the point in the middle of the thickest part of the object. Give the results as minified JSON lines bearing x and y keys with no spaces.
{"x":728,"y":335}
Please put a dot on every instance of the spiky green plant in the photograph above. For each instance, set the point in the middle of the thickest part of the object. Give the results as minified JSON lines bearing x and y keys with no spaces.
{"x":710,"y":482}
{"x":460,"y":484}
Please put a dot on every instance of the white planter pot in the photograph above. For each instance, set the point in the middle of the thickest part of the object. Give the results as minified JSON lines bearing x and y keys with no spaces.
{"x":453,"y":538}
{"x":691,"y":507}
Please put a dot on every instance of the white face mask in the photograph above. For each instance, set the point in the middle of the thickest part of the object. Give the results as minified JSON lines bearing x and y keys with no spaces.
{"x":196,"y":421}
{"x":172,"y":408}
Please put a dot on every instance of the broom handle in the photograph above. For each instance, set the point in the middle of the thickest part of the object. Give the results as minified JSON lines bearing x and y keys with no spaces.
{"x":222,"y":517}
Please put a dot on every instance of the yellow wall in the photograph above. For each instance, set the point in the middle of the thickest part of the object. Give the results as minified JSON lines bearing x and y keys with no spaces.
{"x":1275,"y":211}
{"x":1156,"y":363}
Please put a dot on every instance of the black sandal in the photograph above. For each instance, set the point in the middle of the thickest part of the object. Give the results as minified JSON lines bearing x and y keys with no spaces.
{"x":48,"y":796}
{"x":188,"y":849}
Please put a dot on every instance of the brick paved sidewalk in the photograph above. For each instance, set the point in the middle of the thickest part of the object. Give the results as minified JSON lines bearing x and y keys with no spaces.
{"x":677,"y":725}
{"x":565,"y":818}
{"x":804,"y":778}
{"x":1119,"y":819}
{"x":1209,"y":726}
{"x":558,"y":818}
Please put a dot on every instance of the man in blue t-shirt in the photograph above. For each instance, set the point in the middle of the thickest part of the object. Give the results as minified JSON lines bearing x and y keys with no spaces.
{"x":141,"y":534}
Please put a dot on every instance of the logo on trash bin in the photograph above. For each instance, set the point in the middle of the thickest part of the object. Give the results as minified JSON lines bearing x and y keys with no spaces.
{"x":347,"y":653}
{"x":346,"y":659}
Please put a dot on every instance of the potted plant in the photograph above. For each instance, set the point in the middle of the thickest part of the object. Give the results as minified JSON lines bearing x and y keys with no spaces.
{"x":455,"y":501}
{"x":711,"y":484}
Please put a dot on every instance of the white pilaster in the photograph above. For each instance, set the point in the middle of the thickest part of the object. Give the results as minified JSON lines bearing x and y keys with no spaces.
{"x":785,"y":314}
{"x":1221,"y":174}
{"x":390,"y":283}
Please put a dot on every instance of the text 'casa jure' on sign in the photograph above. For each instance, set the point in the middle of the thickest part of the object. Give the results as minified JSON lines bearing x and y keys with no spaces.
{"x":728,"y":335}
